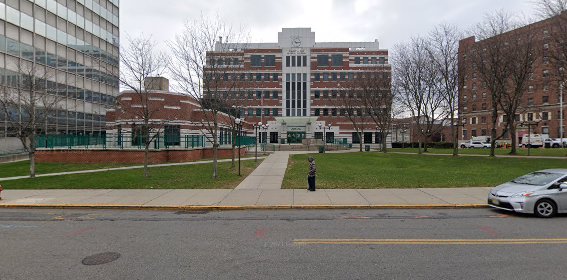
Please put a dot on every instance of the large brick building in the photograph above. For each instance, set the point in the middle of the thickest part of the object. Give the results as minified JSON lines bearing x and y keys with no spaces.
{"x":541,"y":100}
{"x":292,"y":85}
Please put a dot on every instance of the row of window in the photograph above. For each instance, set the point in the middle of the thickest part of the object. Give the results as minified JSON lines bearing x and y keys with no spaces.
{"x":263,"y":60}
{"x":296,"y":61}
{"x":25,"y":51}
{"x":370,"y":60}
{"x":258,"y":77}
{"x":259,"y":112}
{"x":344,"y":76}
{"x":258,"y":94}
{"x":59,"y":35}
{"x":325,"y":60}
{"x":13,"y":79}
{"x":342,"y":112}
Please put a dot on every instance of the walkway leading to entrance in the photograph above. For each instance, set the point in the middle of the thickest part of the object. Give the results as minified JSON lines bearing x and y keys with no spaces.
{"x":268,"y":175}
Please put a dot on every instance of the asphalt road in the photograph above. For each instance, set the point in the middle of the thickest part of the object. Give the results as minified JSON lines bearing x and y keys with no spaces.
{"x":284,"y":244}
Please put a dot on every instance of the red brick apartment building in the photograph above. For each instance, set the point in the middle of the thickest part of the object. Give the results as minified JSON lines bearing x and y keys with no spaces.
{"x":541,"y":102}
{"x":292,"y":85}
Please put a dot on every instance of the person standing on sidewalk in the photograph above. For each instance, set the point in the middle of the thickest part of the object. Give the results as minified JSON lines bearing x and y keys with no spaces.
{"x":312,"y":173}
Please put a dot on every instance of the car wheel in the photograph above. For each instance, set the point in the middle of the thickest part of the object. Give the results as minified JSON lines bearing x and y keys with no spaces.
{"x":555,"y":145}
{"x":545,"y":208}
{"x":463,"y":146}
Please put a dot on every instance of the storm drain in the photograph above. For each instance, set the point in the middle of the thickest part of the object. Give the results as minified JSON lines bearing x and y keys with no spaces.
{"x":101,"y":258}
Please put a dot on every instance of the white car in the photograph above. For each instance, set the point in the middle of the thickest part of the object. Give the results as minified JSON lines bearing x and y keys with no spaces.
{"x":554,"y":142}
{"x":475,"y":145}
{"x":543,"y":193}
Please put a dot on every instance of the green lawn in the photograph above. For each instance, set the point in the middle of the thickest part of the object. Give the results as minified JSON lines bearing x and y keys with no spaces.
{"x":22,"y":168}
{"x":520,"y":151}
{"x":377,"y":170}
{"x":198,"y":176}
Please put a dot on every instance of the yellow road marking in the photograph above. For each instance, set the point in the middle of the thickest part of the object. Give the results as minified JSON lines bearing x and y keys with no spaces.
{"x":429,"y":241}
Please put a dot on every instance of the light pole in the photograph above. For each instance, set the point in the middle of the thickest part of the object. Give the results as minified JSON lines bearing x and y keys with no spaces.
{"x":325,"y":133}
{"x":256,"y":126}
{"x":561,"y":86}
{"x":403,"y":136}
{"x":238,"y":122}
{"x":264,"y":139}
{"x":530,"y":124}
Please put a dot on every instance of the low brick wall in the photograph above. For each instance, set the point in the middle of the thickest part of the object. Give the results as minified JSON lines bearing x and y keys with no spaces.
{"x":129,"y":156}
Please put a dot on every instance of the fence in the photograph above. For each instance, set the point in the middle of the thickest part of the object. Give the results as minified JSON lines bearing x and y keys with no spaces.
{"x":135,"y":141}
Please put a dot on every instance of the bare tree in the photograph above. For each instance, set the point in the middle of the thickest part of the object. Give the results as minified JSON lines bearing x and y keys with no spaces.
{"x":416,"y":84}
{"x":504,"y":62}
{"x":350,"y":103}
{"x":28,"y":104}
{"x":550,"y":8}
{"x":377,"y":99}
{"x":140,"y":62}
{"x":443,"y":48}
{"x":204,"y":67}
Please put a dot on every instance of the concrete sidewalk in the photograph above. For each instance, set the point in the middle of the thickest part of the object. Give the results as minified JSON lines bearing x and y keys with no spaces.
{"x":247,"y":198}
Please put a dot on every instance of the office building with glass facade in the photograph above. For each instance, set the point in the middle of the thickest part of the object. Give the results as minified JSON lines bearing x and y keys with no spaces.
{"x":77,"y":42}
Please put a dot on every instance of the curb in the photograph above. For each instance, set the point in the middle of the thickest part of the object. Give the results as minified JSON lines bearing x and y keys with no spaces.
{"x":248,"y":207}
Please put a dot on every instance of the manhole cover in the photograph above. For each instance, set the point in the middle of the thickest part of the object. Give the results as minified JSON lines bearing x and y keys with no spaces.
{"x":101,"y":258}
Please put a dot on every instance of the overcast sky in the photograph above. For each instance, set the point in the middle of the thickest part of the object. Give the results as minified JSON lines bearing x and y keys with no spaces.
{"x":389,"y":21}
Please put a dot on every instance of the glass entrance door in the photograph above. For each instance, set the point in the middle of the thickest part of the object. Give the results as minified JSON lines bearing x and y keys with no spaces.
{"x":295,"y":137}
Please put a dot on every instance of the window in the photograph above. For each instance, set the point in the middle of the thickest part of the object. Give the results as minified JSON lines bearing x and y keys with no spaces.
{"x":545,"y":116}
{"x":473,"y":120}
{"x":266,"y":95}
{"x":250,"y":112}
{"x":322,"y":60}
{"x":287,"y":61}
{"x":293,"y":61}
{"x":276,"y":77}
{"x":275,"y":112}
{"x":267,"y":112}
{"x":258,"y":77}
{"x":325,"y":76}
{"x":258,"y":112}
{"x":473,"y":133}
{"x":317,"y":94}
{"x":545,"y":130}
{"x":304,"y":60}
{"x":270,"y":60}
{"x":545,"y":99}
{"x":465,"y":134}
{"x":355,"y":138}
{"x":256,"y":60}
{"x":317,"y":77}
{"x":337,"y":60}
{"x":530,"y":117}
{"x":365,"y":60}
{"x":258,"y":94}
{"x":172,"y":135}
{"x":275,"y":95}
{"x":317,"y":112}
{"x":483,"y":120}
{"x":357,"y":60}
{"x":325,"y":112}
{"x":325,"y":94}
{"x":334,"y":112}
{"x":483,"y":106}
{"x":483,"y":132}
{"x":368,"y":137}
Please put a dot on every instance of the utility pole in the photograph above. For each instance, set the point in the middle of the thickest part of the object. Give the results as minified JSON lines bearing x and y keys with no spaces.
{"x":561,"y":86}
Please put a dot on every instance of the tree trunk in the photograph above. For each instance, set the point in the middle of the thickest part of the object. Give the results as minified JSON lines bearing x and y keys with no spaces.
{"x":31,"y":156}
{"x":215,"y":159}
{"x":146,"y":157}
{"x":384,"y":144}
{"x":419,"y":146}
{"x":513,"y":138}
{"x":360,"y":139}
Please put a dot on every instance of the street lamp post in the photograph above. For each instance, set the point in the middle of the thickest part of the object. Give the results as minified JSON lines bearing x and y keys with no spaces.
{"x":561,"y":86}
{"x":403,"y":136}
{"x":256,"y":127}
{"x":325,"y":133}
{"x":238,"y":122}
{"x":264,"y":139}
{"x":529,"y":124}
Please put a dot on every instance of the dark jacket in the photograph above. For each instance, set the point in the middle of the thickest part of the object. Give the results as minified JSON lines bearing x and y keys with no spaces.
{"x":312,"y":169}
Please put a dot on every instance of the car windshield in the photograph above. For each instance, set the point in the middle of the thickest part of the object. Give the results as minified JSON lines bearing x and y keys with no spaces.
{"x":537,"y":178}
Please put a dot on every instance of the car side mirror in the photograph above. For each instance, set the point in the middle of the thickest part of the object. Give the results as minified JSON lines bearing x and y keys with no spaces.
{"x":563,"y":186}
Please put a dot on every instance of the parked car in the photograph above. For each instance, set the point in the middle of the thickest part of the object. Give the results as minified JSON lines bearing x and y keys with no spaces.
{"x":543,"y":193}
{"x":475,"y":144}
{"x":554,"y":142}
